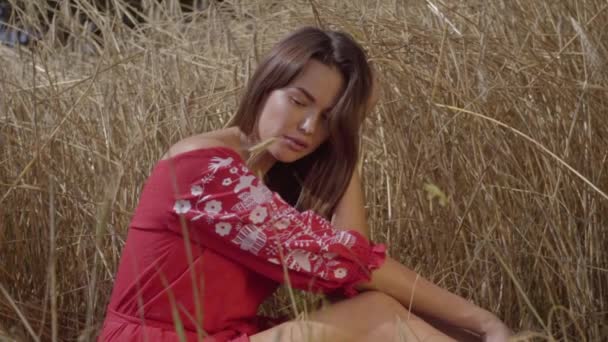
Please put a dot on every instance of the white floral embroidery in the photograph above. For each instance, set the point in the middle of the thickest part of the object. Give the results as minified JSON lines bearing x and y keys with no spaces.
{"x":232,"y":203}
{"x":223,"y":228}
{"x":345,"y":238}
{"x":203,"y":198}
{"x":182,"y":206}
{"x":329,"y":255}
{"x":196,"y":190}
{"x":282,"y":223}
{"x":218,"y":163}
{"x":261,"y":194}
{"x":258,"y":215}
{"x":213,"y":207}
{"x":251,"y":238}
{"x":208,"y":178}
{"x":340,"y":273}
{"x":301,"y":260}
{"x":228,"y":216}
{"x":244,"y":182}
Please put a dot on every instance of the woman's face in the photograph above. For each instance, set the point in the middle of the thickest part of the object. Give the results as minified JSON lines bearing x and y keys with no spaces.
{"x":297,"y":114}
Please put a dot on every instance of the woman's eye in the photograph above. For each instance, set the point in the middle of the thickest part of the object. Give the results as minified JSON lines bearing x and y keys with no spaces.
{"x":296,"y":102}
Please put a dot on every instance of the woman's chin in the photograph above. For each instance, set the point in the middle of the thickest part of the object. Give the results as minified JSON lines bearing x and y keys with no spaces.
{"x":287,"y":157}
{"x":285,"y":154}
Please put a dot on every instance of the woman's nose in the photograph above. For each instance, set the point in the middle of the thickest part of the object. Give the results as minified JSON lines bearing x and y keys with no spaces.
{"x":309,"y":123}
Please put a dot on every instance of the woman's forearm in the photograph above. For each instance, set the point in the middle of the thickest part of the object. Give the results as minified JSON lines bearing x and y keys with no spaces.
{"x":418,"y":294}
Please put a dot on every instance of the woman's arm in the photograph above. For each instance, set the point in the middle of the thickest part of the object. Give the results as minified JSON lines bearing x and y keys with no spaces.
{"x":350,"y":211}
{"x":405,"y":285}
{"x":213,"y":197}
{"x":420,"y":295}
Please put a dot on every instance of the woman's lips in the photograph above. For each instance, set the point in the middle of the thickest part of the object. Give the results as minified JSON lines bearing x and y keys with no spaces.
{"x":295,"y":143}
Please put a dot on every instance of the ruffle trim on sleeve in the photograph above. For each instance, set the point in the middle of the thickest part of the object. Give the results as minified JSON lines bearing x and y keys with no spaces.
{"x":376,"y":259}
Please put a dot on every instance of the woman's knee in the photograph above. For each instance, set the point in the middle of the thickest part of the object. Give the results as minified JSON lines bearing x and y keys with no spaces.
{"x":363,"y":314}
{"x":304,"y":331}
{"x":366,"y":311}
{"x":394,"y":322}
{"x":380,"y":302}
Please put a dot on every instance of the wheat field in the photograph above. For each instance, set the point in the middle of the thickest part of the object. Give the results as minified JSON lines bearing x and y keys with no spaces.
{"x":485,"y":162}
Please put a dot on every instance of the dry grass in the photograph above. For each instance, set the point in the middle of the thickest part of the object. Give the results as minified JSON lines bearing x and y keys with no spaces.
{"x":497,"y":109}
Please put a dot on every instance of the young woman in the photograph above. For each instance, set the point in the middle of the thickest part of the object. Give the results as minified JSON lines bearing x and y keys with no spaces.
{"x":222,"y":221}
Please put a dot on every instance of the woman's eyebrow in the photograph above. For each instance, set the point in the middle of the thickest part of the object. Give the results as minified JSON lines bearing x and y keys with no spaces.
{"x":307,"y":94}
{"x":312,"y":98}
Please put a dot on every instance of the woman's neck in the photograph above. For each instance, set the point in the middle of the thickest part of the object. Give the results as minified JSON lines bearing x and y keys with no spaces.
{"x":260,"y":162}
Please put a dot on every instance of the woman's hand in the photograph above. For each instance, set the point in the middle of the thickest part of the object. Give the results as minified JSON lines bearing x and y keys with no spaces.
{"x":496,"y":331}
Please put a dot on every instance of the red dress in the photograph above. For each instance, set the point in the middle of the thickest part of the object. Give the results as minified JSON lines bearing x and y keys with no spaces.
{"x":209,"y":242}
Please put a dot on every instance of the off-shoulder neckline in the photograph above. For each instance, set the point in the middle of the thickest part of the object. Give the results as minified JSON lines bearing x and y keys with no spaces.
{"x":203,"y":150}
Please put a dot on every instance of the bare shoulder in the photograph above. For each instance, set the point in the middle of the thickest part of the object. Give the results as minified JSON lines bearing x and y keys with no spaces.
{"x":228,"y":137}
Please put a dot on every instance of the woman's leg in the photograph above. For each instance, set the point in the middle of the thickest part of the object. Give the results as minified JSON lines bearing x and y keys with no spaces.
{"x":370,"y":316}
{"x":304,"y":331}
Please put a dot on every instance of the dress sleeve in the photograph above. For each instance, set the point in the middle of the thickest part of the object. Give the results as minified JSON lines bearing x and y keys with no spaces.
{"x":229,"y":210}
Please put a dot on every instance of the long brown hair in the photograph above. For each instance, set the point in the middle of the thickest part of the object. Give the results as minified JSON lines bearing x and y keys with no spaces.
{"x":319,"y":180}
